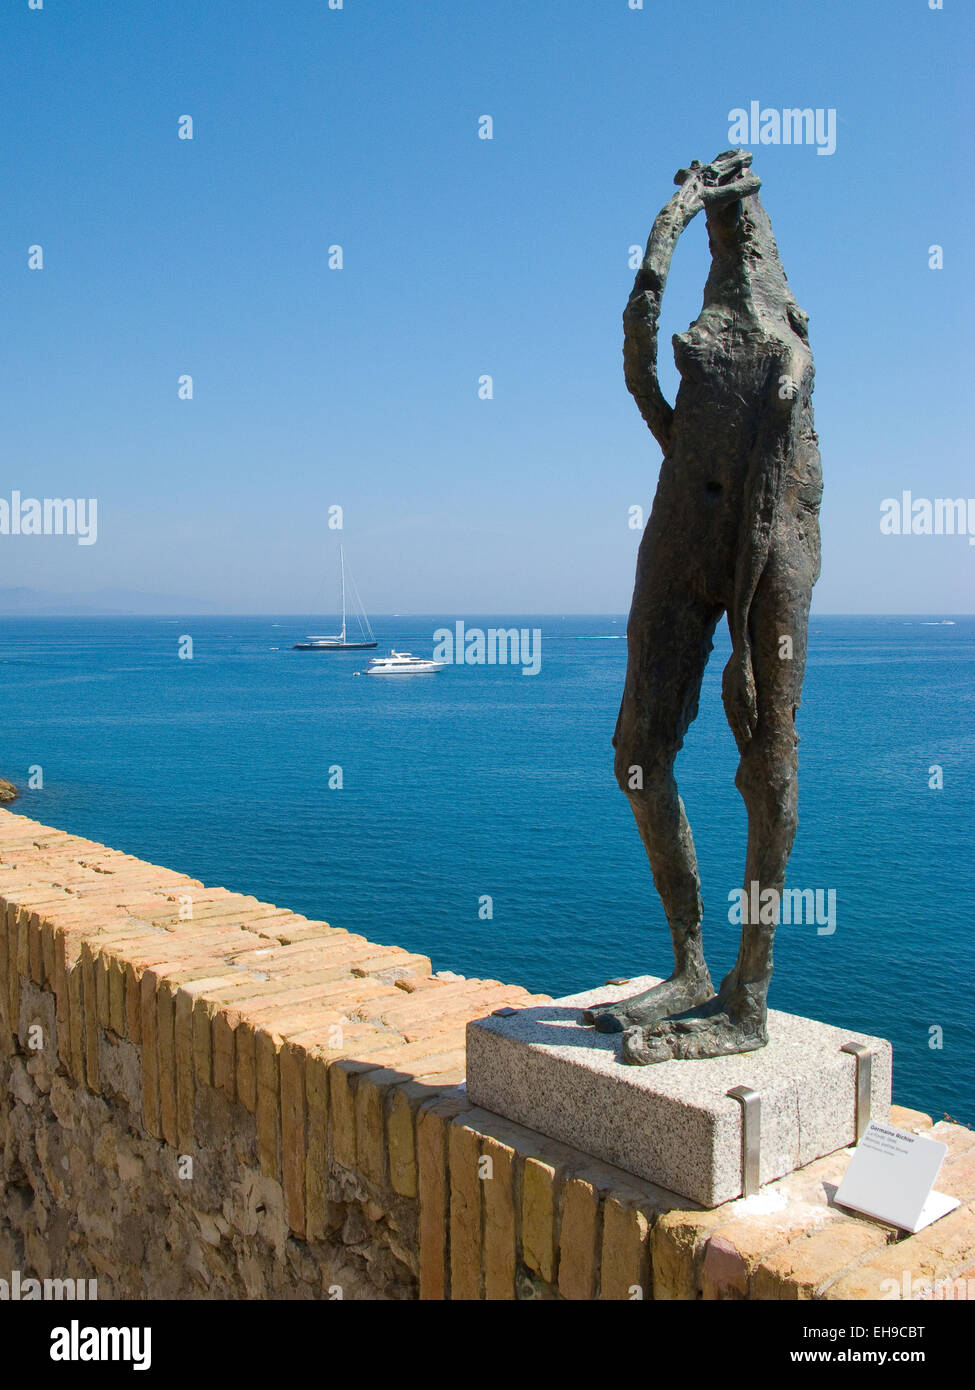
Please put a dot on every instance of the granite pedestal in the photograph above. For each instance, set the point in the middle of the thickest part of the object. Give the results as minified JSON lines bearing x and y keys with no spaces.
{"x":673,"y":1123}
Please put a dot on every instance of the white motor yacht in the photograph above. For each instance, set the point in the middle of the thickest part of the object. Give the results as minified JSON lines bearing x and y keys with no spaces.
{"x":402,"y":664}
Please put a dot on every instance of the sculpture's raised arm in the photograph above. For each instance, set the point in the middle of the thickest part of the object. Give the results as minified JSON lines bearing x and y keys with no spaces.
{"x":726,"y":178}
{"x":642,"y":312}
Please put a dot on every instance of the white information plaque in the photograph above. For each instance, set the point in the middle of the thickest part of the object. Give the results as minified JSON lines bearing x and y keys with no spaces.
{"x":891,"y":1176}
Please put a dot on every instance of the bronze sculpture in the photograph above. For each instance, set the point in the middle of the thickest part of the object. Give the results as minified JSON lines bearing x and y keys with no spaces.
{"x":734,"y":529}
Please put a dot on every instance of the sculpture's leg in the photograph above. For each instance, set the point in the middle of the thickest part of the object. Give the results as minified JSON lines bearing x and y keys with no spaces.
{"x":669,"y":635}
{"x":734,"y":1021}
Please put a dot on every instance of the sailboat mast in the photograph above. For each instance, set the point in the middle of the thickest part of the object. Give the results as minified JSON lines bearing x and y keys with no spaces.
{"x":342,"y":562}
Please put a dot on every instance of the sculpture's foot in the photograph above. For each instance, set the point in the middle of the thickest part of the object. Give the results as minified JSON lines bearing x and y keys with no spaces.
{"x":673,"y":996}
{"x":719,"y":1028}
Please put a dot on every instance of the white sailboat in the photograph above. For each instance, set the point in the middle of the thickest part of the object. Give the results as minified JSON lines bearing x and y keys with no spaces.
{"x":340,"y":641}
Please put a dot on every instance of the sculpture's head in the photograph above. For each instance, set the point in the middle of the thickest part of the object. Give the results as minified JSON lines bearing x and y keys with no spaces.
{"x":743,"y":250}
{"x":719,"y":189}
{"x":724,"y":181}
{"x":723,"y":185}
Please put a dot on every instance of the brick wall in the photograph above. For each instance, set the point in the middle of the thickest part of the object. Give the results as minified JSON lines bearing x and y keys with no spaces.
{"x":203,"y":1095}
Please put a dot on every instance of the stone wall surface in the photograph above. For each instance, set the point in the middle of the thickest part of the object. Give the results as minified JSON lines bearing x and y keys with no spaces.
{"x":206,"y":1096}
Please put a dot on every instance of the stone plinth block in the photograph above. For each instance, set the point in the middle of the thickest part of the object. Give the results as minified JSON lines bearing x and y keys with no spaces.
{"x":673,"y":1123}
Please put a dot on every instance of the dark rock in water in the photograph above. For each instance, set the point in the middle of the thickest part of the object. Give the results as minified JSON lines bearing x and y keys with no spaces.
{"x":7,"y":790}
{"x":734,"y":531}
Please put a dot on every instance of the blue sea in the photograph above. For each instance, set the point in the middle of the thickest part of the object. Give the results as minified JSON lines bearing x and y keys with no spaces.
{"x":480,"y":781}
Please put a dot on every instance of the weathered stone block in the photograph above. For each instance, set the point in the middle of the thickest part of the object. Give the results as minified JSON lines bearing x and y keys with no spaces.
{"x":577,"y":1240}
{"x":624,"y":1260}
{"x":463,"y":1154}
{"x":500,"y":1225}
{"x":538,"y":1218}
{"x":431,"y":1144}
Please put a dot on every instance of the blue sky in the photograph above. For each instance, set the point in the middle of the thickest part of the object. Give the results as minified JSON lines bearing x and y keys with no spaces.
{"x":462,"y":256}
